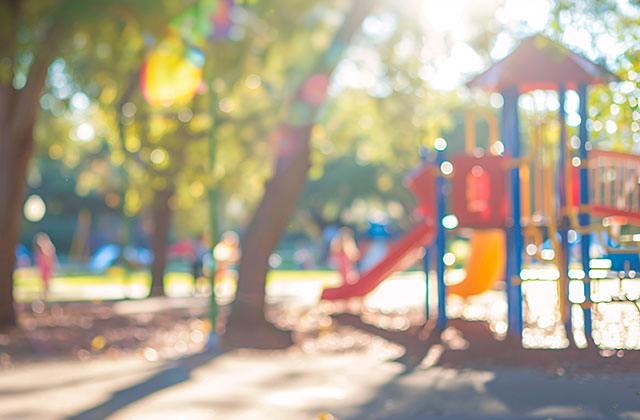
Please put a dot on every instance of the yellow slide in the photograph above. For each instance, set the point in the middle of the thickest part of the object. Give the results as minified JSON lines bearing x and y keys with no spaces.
{"x":486,"y":264}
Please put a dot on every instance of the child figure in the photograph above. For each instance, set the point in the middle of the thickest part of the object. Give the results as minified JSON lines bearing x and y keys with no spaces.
{"x":45,"y":256}
{"x":226,"y":253}
{"x":345,"y":254}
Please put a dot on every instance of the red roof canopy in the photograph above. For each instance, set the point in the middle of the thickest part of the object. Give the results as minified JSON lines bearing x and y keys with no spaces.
{"x":540,"y":63}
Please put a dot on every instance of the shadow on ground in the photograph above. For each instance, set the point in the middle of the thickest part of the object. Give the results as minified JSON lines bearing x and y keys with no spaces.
{"x":462,"y":373}
{"x":565,"y":383}
{"x":172,"y":374}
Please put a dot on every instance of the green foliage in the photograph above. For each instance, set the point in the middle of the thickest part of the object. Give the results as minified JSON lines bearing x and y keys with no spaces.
{"x":367,"y":137}
{"x":153,"y":148}
{"x":611,"y":30}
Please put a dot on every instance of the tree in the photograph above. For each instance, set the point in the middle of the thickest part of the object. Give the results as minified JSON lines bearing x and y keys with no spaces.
{"x":606,"y":31}
{"x":161,"y":152}
{"x":32,"y":34}
{"x":18,"y":110}
{"x":247,"y":324}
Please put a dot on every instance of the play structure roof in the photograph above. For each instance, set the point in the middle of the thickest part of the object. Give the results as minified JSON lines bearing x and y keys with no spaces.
{"x":540,"y":63}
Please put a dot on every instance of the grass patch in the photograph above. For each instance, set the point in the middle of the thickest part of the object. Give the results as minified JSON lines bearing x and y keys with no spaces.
{"x":117,"y":283}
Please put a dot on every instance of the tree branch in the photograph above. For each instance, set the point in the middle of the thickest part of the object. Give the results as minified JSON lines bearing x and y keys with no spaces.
{"x":129,"y":90}
{"x":26,"y":103}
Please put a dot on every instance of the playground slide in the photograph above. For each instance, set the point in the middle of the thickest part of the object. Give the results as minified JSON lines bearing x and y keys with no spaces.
{"x":420,"y":236}
{"x":486,"y":264}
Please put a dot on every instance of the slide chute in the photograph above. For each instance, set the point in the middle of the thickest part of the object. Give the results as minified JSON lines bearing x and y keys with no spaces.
{"x":486,"y":263}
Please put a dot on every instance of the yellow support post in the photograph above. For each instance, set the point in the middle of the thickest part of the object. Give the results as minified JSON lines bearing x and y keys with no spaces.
{"x":536,"y":153}
{"x":525,"y":190}
{"x":494,"y":132}
{"x":469,"y":133}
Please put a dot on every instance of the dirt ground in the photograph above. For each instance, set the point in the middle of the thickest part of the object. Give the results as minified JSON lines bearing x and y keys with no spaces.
{"x":149,"y":359}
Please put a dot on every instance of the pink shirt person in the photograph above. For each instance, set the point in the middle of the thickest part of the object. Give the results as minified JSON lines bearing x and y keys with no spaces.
{"x":345,"y":254}
{"x":45,"y":256}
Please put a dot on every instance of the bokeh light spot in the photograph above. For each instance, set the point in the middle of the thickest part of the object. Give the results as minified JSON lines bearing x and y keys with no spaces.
{"x":34,"y":208}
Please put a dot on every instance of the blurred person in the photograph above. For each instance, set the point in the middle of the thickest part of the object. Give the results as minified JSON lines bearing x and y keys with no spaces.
{"x":195,"y":258}
{"x":376,"y":247}
{"x":345,"y":254}
{"x":226,"y":253}
{"x":198,"y":261}
{"x":46,"y":260}
{"x":328,"y":233}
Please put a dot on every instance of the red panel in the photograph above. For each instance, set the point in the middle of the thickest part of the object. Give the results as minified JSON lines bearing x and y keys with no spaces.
{"x":422,"y":183}
{"x":596,"y":153}
{"x":479,"y":198}
{"x":575,"y":186}
{"x":604,"y":211}
{"x":615,"y":161}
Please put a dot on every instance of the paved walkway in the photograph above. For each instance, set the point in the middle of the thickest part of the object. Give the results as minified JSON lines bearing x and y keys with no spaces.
{"x":362,"y":382}
{"x":352,"y":375}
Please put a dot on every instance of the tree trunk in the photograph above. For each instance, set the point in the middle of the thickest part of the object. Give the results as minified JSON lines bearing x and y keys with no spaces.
{"x":17,"y":119}
{"x":268,"y":225}
{"x":161,"y":215}
{"x":246,"y":325}
{"x":13,"y":172}
{"x":18,"y":111}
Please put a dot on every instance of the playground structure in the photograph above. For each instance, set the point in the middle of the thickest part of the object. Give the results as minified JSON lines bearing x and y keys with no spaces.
{"x":512,"y":200}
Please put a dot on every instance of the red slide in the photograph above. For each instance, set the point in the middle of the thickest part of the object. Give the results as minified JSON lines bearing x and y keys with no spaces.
{"x":420,"y":236}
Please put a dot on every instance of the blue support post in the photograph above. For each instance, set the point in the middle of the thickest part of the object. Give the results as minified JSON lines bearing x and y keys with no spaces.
{"x":426,"y":260}
{"x":518,"y":239}
{"x":425,"y":267}
{"x":563,"y":260}
{"x":440,"y":246}
{"x":515,"y":241}
{"x":584,"y":218}
{"x":505,"y":123}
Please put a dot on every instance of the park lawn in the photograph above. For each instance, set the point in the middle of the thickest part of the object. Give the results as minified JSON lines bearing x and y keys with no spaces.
{"x":118,"y":284}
